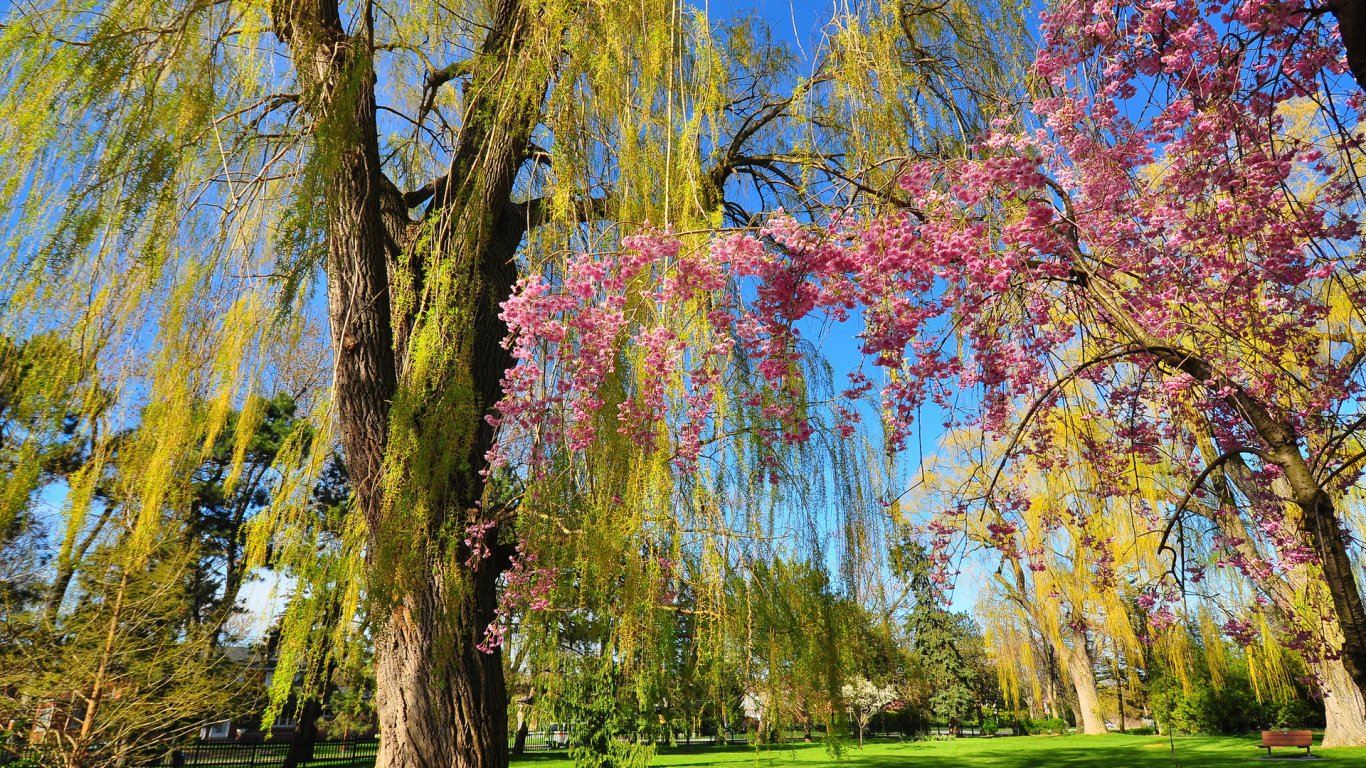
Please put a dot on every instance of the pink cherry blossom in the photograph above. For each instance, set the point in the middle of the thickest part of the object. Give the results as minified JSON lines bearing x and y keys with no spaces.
{"x":1157,"y":204}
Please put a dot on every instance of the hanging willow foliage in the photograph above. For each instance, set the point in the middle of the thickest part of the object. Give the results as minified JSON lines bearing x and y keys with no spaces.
{"x":193,"y":188}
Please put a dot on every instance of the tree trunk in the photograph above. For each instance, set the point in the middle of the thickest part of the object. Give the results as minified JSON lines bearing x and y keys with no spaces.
{"x":1051,"y":703}
{"x":441,"y":701}
{"x":1077,"y":660}
{"x":92,"y":708}
{"x":321,"y":665}
{"x":300,"y":749}
{"x":233,"y":572}
{"x":1083,"y":677}
{"x":523,"y":728}
{"x":70,"y":556}
{"x":1322,"y":528}
{"x":1119,"y":695}
{"x":56,"y":591}
{"x":1343,"y":707}
{"x":1351,"y":16}
{"x":1319,"y":524}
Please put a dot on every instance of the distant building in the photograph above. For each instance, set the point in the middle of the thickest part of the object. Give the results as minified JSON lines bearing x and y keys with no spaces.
{"x":247,"y":726}
{"x":262,"y":665}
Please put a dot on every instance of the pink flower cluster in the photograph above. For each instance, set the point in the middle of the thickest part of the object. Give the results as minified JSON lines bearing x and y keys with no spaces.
{"x":572,"y":340}
{"x":526,"y":587}
{"x":476,"y":541}
{"x":1160,"y":199}
{"x":1242,"y":632}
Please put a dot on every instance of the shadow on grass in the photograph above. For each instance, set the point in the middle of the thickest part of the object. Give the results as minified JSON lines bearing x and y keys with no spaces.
{"x":695,"y":755}
{"x":534,"y":758}
{"x":1112,"y":751}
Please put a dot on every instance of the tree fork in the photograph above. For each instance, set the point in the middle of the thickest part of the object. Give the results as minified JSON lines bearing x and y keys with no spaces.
{"x":441,"y":701}
{"x":92,"y":708}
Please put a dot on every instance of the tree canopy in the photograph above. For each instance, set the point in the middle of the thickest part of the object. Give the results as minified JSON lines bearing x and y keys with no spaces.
{"x":553,"y":279}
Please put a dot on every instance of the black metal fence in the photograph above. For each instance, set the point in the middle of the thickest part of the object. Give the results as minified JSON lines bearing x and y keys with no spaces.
{"x":547,"y":740}
{"x":329,"y":753}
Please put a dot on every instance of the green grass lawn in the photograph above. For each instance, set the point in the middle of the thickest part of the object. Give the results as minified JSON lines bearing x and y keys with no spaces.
{"x":1112,"y":751}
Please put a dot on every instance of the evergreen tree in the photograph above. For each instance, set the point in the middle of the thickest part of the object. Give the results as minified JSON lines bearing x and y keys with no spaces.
{"x":233,"y":482}
{"x":944,"y":641}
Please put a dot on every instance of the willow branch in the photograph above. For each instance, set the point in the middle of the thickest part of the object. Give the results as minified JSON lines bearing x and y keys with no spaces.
{"x":1194,"y":488}
{"x":1042,"y":398}
{"x":437,"y":78}
{"x":537,"y":212}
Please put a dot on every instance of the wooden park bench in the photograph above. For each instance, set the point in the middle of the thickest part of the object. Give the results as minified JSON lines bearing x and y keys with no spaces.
{"x":1287,"y":739}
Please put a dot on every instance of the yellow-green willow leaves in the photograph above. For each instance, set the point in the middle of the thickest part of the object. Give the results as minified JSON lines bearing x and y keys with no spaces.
{"x":210,"y":198}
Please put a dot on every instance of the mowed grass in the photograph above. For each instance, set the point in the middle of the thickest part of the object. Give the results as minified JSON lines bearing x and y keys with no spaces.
{"x":1112,"y":751}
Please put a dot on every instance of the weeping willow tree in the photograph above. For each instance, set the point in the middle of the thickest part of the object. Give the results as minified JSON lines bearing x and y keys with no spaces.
{"x":192,"y":187}
{"x":1069,"y":560}
{"x":1078,"y":569}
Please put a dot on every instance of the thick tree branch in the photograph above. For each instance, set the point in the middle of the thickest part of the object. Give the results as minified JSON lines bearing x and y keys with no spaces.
{"x":536,"y":212}
{"x":1043,"y":398}
{"x":751,"y":125}
{"x":437,"y":78}
{"x":422,"y":194}
{"x":1351,"y":15}
{"x":1320,"y":524}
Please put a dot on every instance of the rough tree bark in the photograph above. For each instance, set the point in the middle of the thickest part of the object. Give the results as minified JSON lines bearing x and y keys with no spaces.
{"x":441,"y":702}
{"x":1083,"y":676}
{"x":1344,"y":709}
{"x":1351,"y":16}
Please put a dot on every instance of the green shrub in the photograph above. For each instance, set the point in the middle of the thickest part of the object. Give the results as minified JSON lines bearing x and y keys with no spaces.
{"x":907,"y":720}
{"x":1036,"y":727}
{"x":27,"y":759}
{"x":1197,"y":708}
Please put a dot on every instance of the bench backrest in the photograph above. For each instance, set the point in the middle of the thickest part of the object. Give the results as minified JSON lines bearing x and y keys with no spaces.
{"x":1288,"y":738}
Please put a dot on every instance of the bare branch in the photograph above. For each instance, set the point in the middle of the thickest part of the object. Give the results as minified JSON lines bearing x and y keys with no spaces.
{"x":536,"y":212}
{"x":1190,"y":493}
{"x":437,"y":78}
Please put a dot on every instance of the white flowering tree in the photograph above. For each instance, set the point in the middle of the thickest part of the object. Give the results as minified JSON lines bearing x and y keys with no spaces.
{"x":865,"y":699}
